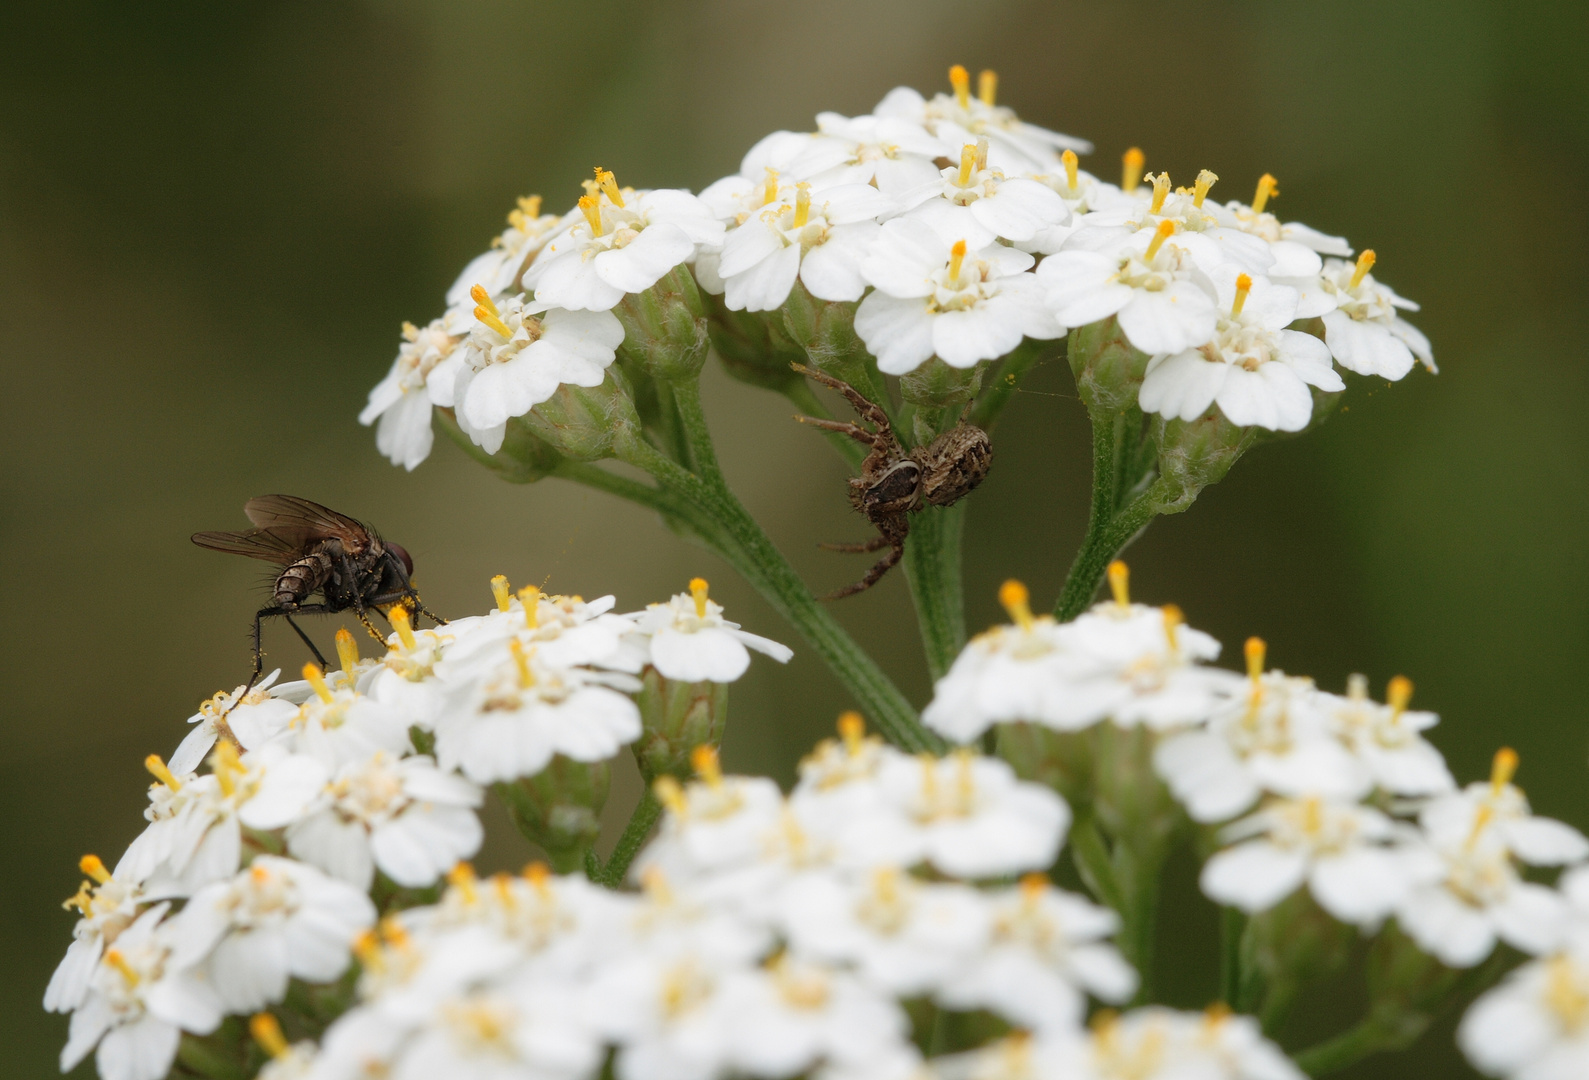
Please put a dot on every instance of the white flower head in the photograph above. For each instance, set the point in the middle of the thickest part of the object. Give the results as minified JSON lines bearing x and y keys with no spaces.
{"x":690,"y":641}
{"x":1266,"y":739}
{"x":800,"y":231}
{"x":1388,"y":739}
{"x":1158,"y":288}
{"x":1365,"y":333}
{"x":1010,"y":673}
{"x":894,"y":155}
{"x":715,"y":824}
{"x":1336,"y":848}
{"x":499,"y":268}
{"x":624,"y":242}
{"x":277,"y":919}
{"x":402,"y":401}
{"x":138,"y":1004}
{"x":936,"y":296}
{"x":405,"y":817}
{"x":980,"y":204}
{"x":518,"y":354}
{"x":107,"y":905}
{"x":1044,"y":954}
{"x":1535,"y":1025}
{"x":1253,"y":368}
{"x":514,"y":714}
{"x":252,"y":715}
{"x":960,"y":118}
{"x":1500,"y":806}
{"x":339,"y":725}
{"x":1295,"y":246}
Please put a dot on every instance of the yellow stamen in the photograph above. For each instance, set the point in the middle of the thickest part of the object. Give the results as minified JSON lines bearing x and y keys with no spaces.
{"x":1131,"y":169}
{"x":960,"y":79}
{"x":1243,"y":287}
{"x":592,"y":211}
{"x":852,"y":729}
{"x":530,"y":206}
{"x":982,"y":153}
{"x":1312,"y":815}
{"x":1216,"y":1015}
{"x":802,"y":204}
{"x":226,"y":764}
{"x":398,"y":617}
{"x":1268,"y":188}
{"x":1165,"y":230}
{"x":495,"y":323}
{"x":1033,"y":886}
{"x":1365,"y":263}
{"x":461,"y":877}
{"x":698,"y":591}
{"x":1161,"y":190}
{"x":670,"y":793}
{"x":1172,"y":620}
{"x":703,"y":759}
{"x":160,"y":772}
{"x":115,"y":959}
{"x":988,"y":86}
{"x":266,"y":1031}
{"x":1069,"y":158}
{"x":347,"y":651}
{"x":393,"y":933}
{"x":968,"y":164}
{"x":609,"y":185}
{"x":315,"y":678}
{"x":530,"y":601}
{"x":1257,"y":652}
{"x":1120,"y":582}
{"x":94,"y":868}
{"x":538,"y":874}
{"x":502,"y":885}
{"x":769,"y":191}
{"x":1205,"y":180}
{"x":499,"y":589}
{"x":367,"y":948}
{"x":1504,"y":768}
{"x":1015,"y":599}
{"x":957,"y":258}
{"x":1397,"y":694}
{"x":478,"y":294}
{"x":82,"y":900}
{"x":522,"y":659}
{"x":1481,"y":821}
{"x":410,"y":331}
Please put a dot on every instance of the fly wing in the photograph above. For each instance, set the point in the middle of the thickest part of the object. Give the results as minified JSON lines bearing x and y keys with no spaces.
{"x":291,"y":515}
{"x":280,"y":546}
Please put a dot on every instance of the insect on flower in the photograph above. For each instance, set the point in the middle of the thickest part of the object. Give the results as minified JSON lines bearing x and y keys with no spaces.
{"x":320,"y":551}
{"x":895,"y":482}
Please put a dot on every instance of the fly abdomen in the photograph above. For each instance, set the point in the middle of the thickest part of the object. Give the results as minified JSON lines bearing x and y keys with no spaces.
{"x":295,"y":584}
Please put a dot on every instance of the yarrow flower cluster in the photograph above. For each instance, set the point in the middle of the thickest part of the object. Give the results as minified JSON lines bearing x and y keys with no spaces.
{"x":973,"y":898}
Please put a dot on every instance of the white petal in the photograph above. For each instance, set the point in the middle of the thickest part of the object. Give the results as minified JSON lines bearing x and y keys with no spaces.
{"x":764,"y":285}
{"x":1182,"y":385}
{"x":898,"y":331}
{"x":1253,"y":876}
{"x":706,"y":655}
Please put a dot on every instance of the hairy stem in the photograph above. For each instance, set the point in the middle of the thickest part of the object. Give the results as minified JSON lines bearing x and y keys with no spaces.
{"x":630,"y":841}
{"x":933,"y":569}
{"x":1110,"y":526}
{"x":1367,"y":1037}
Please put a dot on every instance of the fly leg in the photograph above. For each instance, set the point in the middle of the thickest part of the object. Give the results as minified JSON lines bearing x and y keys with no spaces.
{"x":305,"y":638}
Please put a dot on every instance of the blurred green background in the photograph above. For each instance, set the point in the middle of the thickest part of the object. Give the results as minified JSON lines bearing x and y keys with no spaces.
{"x":214,"y":218}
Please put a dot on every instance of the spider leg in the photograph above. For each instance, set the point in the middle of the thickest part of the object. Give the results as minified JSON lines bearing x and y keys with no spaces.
{"x":854,"y":431}
{"x":869,"y":410}
{"x":896,"y":551}
{"x":876,"y":543}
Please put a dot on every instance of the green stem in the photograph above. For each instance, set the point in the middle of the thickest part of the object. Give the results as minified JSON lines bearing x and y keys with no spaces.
{"x":933,"y":569}
{"x":671,"y":430}
{"x":630,"y":842}
{"x":1231,"y":924}
{"x":1110,"y":526}
{"x":743,"y":543}
{"x":1137,"y":871}
{"x":1367,"y":1037}
{"x":687,"y":396}
{"x":1092,"y":860}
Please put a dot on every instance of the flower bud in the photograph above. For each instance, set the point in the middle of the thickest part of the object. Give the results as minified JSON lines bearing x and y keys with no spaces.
{"x":1407,"y":987}
{"x":585,"y":423}
{"x":1293,"y":944}
{"x":559,"y":808}
{"x":939,"y":393}
{"x":523,"y":459}
{"x":825,"y":331}
{"x":678,"y":717}
{"x":1194,"y":454}
{"x":1108,"y":370}
{"x":754,"y":347}
{"x":665,"y":327}
{"x":1130,"y":800}
{"x":1061,"y":760}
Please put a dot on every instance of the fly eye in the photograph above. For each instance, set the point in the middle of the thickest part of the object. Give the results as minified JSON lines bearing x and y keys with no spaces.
{"x":402,"y":556}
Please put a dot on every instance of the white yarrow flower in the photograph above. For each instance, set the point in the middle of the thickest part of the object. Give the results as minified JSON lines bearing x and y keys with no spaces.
{"x":691,"y":641}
